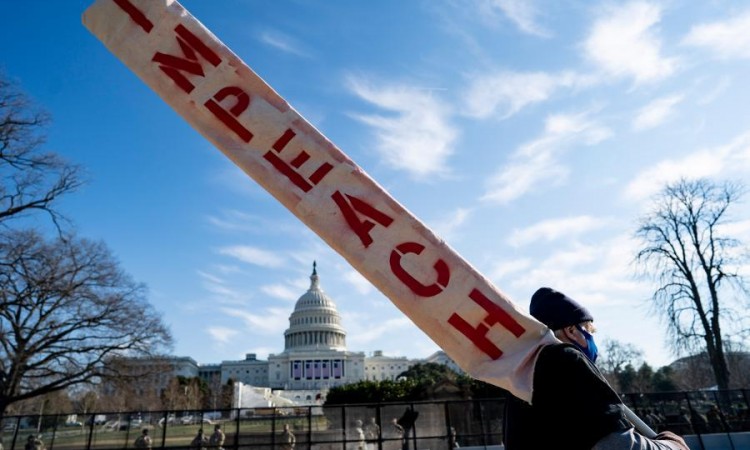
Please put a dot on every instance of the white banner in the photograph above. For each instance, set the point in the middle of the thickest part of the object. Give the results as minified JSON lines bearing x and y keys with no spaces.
{"x":222,"y":98}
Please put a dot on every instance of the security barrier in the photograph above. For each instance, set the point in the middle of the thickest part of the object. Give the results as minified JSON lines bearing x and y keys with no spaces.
{"x":706,"y":416}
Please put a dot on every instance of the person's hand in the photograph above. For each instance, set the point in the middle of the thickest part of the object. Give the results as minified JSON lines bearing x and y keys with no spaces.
{"x":669,"y":436}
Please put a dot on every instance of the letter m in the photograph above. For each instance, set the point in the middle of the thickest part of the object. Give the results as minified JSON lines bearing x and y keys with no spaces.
{"x":176,"y":66}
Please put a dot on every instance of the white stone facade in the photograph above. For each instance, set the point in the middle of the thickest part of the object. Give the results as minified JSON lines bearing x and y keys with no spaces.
{"x":315,"y":357}
{"x":379,"y":367}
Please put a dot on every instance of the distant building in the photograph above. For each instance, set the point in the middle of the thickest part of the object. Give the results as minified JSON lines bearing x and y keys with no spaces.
{"x":440,"y":357}
{"x":315,"y":358}
{"x":149,"y":376}
{"x":211,"y":373}
{"x":249,"y":371}
{"x":315,"y":355}
{"x":379,"y":367}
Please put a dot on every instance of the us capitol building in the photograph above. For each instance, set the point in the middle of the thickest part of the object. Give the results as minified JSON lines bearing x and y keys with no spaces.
{"x":315,"y":357}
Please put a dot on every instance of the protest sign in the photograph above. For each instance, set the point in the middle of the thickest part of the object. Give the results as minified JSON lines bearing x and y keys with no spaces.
{"x":222,"y":98}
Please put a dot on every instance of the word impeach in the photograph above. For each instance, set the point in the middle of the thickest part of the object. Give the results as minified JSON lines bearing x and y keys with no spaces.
{"x":247,"y":120}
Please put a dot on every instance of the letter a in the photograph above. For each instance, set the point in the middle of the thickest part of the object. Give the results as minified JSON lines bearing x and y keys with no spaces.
{"x":360,"y":227}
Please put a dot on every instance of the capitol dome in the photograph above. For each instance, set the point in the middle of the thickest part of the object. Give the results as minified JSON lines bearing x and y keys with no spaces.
{"x":315,"y":322}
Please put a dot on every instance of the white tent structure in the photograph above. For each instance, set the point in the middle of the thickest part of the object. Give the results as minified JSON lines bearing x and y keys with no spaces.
{"x":246,"y":396}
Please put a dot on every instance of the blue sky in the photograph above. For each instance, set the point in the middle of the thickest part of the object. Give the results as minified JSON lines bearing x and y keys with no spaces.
{"x":529,"y":134}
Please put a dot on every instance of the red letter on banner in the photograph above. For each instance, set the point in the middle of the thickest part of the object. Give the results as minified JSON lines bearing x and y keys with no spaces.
{"x":136,"y":14}
{"x":173,"y":66}
{"x":348,"y":204}
{"x":228,"y":118}
{"x":495,"y":315}
{"x":289,"y":169}
{"x":418,"y":288}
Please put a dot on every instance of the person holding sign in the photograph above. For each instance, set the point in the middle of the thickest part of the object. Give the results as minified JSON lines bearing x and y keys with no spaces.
{"x":573,"y":406}
{"x":468,"y":317}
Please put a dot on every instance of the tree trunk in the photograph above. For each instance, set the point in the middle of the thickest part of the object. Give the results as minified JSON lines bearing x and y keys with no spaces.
{"x":719,"y":365}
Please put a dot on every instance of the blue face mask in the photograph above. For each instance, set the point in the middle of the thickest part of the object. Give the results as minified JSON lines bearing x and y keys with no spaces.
{"x":591,"y":351}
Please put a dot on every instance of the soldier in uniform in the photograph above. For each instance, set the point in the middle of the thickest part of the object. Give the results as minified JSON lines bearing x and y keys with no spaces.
{"x":372,"y":434}
{"x":288,"y":439}
{"x":143,"y":441}
{"x":217,"y":438}
{"x":359,"y":435}
{"x":397,"y":431}
{"x":200,"y":441}
{"x":34,"y":443}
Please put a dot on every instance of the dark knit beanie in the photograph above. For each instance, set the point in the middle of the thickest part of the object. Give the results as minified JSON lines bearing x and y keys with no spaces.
{"x":557,"y":310}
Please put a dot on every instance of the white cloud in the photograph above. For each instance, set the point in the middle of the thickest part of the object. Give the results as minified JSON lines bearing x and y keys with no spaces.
{"x":210,"y":278}
{"x":505,"y":268}
{"x":553,"y":229}
{"x":273,"y":321}
{"x":733,"y":158}
{"x":727,"y":40}
{"x":280,"y":291}
{"x":222,"y":335}
{"x":253,"y":255}
{"x":219,"y":289}
{"x":739,"y":229}
{"x":360,"y":283}
{"x":693,"y":166}
{"x":523,"y":13}
{"x":597,"y":273}
{"x":282,"y":42}
{"x":516,"y":179}
{"x":238,"y":221}
{"x":715,"y":91}
{"x":505,"y":93}
{"x":448,"y":225}
{"x":222,"y":292}
{"x":656,"y":112}
{"x":536,"y":163}
{"x":374,"y":330}
{"x":417,"y":137}
{"x":622,"y":42}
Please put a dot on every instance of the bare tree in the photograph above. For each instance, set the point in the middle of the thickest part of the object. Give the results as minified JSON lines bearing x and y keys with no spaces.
{"x":135,"y":383}
{"x":615,"y":357}
{"x":185,"y":394}
{"x":31,"y":180}
{"x":67,"y":309}
{"x":174,"y":397}
{"x":687,"y":251}
{"x":84,"y":398}
{"x":215,"y":392}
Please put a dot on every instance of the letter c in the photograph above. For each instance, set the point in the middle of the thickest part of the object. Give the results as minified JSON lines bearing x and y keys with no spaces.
{"x":443,"y":272}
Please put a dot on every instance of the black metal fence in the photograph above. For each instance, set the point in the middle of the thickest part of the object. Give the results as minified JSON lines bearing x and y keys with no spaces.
{"x":442,"y":425}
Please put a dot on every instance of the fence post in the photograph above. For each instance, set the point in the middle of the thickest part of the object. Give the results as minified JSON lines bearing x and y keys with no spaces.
{"x":343,"y":427}
{"x":481,"y":423}
{"x":165,"y":418}
{"x":15,"y":432}
{"x":691,"y":411}
{"x":237,"y":430}
{"x":91,"y":431}
{"x":724,"y":400}
{"x":379,"y":421}
{"x":447,"y":425}
{"x":309,"y":428}
{"x":54,"y":430}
